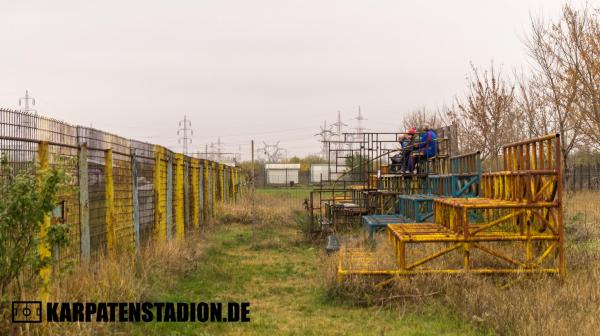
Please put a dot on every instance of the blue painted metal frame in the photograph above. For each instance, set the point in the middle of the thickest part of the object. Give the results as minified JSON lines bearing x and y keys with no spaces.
{"x":372,"y":223}
{"x":417,"y":208}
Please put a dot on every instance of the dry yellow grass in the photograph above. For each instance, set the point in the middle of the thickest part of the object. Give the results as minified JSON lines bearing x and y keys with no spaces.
{"x":521,"y":305}
{"x":125,"y":277}
{"x":528,"y":305}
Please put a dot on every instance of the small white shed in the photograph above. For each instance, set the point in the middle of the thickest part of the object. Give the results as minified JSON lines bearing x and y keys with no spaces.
{"x":282,"y":173}
{"x":320,"y":171}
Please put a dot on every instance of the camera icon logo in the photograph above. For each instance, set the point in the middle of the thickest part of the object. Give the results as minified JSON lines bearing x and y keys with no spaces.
{"x":27,"y":311}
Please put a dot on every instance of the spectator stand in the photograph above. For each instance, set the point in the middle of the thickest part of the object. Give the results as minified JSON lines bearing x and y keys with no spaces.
{"x":521,"y":230}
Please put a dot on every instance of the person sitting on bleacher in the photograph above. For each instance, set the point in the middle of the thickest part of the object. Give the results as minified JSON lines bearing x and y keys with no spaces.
{"x":426,"y":148}
{"x":407,"y":144}
{"x":428,"y":142}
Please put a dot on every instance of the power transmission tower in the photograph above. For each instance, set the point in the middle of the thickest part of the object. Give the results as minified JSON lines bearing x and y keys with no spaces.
{"x":29,"y":123}
{"x":185,"y":132}
{"x":339,"y":124}
{"x":272,"y":153}
{"x":359,"y":128}
{"x":325,"y":135}
{"x":212,"y":151}
{"x":219,"y":149}
{"x":359,"y":119}
{"x":216,"y":152}
{"x":239,"y":154}
{"x":25,"y":101}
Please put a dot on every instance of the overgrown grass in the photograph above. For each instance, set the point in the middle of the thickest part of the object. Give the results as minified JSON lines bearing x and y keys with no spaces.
{"x":124,"y":277}
{"x":257,"y":255}
{"x":280,"y":275}
{"x":299,"y":192}
{"x":519,"y":305}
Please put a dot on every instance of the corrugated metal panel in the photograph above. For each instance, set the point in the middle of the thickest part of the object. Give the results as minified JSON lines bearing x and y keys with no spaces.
{"x":282,"y":176}
{"x":318,"y":171}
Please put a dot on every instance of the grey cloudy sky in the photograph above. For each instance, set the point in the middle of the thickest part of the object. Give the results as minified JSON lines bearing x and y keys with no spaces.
{"x":268,"y":70}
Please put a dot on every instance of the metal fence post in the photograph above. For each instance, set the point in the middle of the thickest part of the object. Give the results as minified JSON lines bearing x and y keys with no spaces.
{"x":43,"y":249}
{"x":169,"y":197}
{"x":195,"y":193}
{"x":213,"y":188}
{"x":205,"y":190}
{"x":84,"y":204}
{"x":230,"y":180}
{"x":187,"y":214}
{"x":109,"y":199}
{"x":221,"y":183}
{"x":135,"y":197}
{"x":235,"y":184}
{"x":179,"y":196}
{"x":160,"y":220}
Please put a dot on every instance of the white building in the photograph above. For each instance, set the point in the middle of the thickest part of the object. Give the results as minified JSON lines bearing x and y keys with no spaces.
{"x":282,"y":173}
{"x":320,"y":172}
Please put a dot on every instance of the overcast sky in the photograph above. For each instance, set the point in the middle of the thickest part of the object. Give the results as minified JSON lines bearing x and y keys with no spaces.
{"x":267,"y":70}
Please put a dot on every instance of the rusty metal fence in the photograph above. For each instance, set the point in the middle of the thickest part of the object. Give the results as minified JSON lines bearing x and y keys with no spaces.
{"x":122,"y":193}
{"x":583,"y":177}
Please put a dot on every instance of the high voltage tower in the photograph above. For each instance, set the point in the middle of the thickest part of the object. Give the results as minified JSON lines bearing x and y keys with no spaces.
{"x":25,"y":101}
{"x":335,"y":132}
{"x":215,"y":152}
{"x":217,"y":148}
{"x":359,"y":119}
{"x":272,"y":153}
{"x":185,"y":132}
{"x":339,"y":125}
{"x":359,"y":126}
{"x":325,"y":135}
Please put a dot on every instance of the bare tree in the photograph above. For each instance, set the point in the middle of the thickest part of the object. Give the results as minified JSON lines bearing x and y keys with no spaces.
{"x":534,"y":110}
{"x":553,"y":49}
{"x":420,"y":116}
{"x":486,"y":117}
{"x":583,"y":63}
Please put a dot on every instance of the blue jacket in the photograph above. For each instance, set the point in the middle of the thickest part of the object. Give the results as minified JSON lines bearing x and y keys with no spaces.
{"x":405,"y":143}
{"x":428,"y":143}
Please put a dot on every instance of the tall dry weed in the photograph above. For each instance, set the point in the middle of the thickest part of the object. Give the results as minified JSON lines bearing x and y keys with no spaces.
{"x":264,"y":210}
{"x":509,"y":305}
{"x":122,"y":277}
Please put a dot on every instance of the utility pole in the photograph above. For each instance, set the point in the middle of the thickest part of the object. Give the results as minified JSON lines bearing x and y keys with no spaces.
{"x":185,"y":131}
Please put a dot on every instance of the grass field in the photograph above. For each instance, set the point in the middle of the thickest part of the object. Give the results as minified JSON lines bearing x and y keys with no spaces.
{"x":281,"y":275}
{"x":294,"y":193}
{"x":258,"y":254}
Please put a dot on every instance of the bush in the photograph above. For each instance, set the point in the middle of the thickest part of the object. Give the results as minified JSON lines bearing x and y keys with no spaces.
{"x":25,"y":198}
